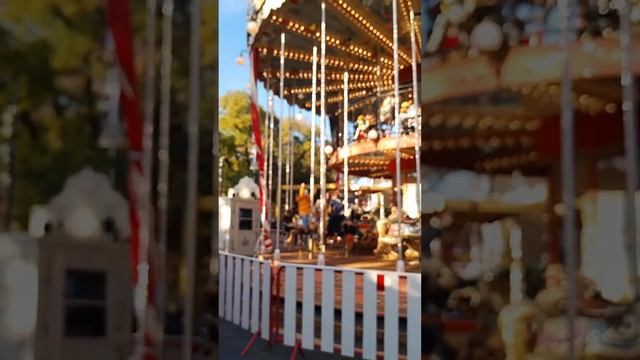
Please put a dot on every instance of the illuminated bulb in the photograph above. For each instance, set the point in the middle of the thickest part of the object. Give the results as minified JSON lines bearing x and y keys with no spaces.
{"x":240,"y":60}
{"x":328,"y":149}
{"x":487,"y":36}
{"x":252,"y":27}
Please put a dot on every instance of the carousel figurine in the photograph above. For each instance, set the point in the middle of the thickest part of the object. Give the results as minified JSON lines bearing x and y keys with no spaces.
{"x":405,"y":118}
{"x":362,"y":127}
{"x":386,"y":115}
{"x":447,"y":34}
{"x":371,"y":120}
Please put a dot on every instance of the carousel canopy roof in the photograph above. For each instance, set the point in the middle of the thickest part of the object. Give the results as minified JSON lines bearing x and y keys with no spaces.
{"x":376,"y":158}
{"x":359,"y":40}
{"x":502,"y":112}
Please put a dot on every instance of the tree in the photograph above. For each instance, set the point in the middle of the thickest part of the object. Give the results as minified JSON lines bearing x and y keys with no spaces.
{"x":236,"y":139}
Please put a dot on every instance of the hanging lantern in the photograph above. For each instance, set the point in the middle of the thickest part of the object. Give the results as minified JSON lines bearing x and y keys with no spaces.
{"x":252,"y":27}
{"x":487,"y":36}
{"x":240,"y":60}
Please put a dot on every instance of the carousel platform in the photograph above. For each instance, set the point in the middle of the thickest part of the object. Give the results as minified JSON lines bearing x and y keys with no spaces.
{"x":337,"y":258}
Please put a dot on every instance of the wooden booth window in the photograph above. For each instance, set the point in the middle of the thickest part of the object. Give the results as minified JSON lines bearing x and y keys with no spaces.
{"x":245,"y":219}
{"x":85,"y":307}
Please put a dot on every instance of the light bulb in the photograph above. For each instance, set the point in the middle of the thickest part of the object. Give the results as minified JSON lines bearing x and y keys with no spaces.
{"x":240,"y":60}
{"x":487,"y":36}
{"x":328,"y":149}
{"x":252,"y":27}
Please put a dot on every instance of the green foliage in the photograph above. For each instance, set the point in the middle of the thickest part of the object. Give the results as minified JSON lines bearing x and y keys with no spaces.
{"x":236,"y":139}
{"x":52,"y":65}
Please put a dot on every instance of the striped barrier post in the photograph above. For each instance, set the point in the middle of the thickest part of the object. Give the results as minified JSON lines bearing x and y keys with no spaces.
{"x":266,"y":301}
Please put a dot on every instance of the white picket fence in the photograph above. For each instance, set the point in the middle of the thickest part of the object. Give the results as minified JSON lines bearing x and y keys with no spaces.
{"x":246,"y":285}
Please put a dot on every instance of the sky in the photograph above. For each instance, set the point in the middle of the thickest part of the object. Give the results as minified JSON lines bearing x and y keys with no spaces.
{"x":233,"y":41}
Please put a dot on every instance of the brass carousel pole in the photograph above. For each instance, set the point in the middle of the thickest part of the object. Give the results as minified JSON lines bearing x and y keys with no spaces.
{"x":323,"y":157}
{"x":163,"y":159}
{"x":566,"y":8}
{"x":264,"y":213}
{"x":630,"y":136}
{"x":312,"y":177}
{"x":291,"y":150}
{"x":191,"y":218}
{"x":276,"y":253}
{"x":396,"y":106}
{"x":271,"y":119}
{"x":345,"y":144}
{"x":416,"y":107}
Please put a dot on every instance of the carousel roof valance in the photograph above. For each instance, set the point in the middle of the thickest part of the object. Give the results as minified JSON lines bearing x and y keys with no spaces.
{"x":359,"y":40}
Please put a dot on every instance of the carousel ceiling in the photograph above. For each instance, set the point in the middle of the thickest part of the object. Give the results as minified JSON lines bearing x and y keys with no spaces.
{"x":359,"y":41}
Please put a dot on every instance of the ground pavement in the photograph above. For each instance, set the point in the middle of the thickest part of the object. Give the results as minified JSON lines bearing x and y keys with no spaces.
{"x":233,"y":339}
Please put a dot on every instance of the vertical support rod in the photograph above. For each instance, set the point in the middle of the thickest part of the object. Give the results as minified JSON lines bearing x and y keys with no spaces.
{"x":323,"y":156}
{"x":287,"y":171}
{"x":312,"y":177}
{"x":416,"y":107}
{"x":147,"y":168}
{"x":271,"y":150}
{"x":568,"y":168}
{"x":163,"y":159}
{"x":192,"y":176}
{"x":396,"y":105}
{"x":291,"y":150}
{"x":630,"y":136}
{"x":276,"y":254}
{"x":345,"y":143}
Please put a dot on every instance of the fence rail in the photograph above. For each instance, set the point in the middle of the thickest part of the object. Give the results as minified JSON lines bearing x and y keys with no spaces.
{"x":269,"y":300}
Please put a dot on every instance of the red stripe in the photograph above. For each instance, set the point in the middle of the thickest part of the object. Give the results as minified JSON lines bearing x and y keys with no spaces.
{"x":119,"y":18}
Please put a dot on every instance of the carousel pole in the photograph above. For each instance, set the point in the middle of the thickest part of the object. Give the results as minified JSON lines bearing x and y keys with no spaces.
{"x":312,"y":177}
{"x":396,"y":106}
{"x":262,"y":180}
{"x":163,"y":159}
{"x":271,"y":146}
{"x":630,"y":137}
{"x":323,"y":156}
{"x":291,"y":153}
{"x":566,"y":8}
{"x":191,"y":220}
{"x":287,"y":164}
{"x":276,"y":253}
{"x":416,"y":107}
{"x":146,"y":227}
{"x":269,"y":172}
{"x":345,"y":144}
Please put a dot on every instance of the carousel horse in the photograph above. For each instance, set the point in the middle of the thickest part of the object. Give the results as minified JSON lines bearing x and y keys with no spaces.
{"x":603,"y":330}
{"x":471,"y":319}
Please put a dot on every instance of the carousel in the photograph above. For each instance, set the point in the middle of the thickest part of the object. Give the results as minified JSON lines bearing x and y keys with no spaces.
{"x":546,"y":90}
{"x":354,"y":66}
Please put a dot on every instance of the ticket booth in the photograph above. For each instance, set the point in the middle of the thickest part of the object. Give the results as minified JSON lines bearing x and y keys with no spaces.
{"x":66,"y":286}
{"x":64,"y":299}
{"x":240,"y":218}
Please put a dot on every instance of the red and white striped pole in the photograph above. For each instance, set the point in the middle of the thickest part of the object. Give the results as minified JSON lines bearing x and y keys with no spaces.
{"x":139,"y":191}
{"x":257,"y":138}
